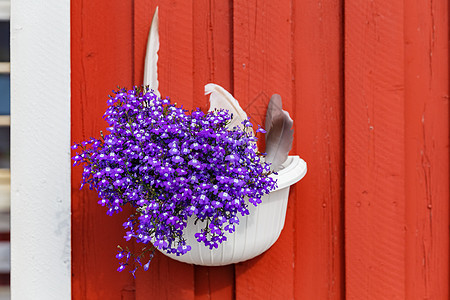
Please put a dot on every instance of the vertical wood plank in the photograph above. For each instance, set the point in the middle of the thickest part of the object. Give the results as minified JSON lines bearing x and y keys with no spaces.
{"x":212,"y":40}
{"x":214,"y":283}
{"x":262,"y":67}
{"x":319,"y":130}
{"x":375,"y":149}
{"x":213,"y":50}
{"x":101,"y":59}
{"x":427,"y":144}
{"x":167,"y":278}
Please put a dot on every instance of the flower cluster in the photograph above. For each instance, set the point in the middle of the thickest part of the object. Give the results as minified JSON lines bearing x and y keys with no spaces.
{"x":170,"y":165}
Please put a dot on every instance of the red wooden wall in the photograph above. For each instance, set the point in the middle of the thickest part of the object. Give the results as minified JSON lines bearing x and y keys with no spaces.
{"x":367,"y":84}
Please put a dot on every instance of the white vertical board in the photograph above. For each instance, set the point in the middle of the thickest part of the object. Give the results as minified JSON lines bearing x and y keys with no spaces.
{"x":40,"y":149}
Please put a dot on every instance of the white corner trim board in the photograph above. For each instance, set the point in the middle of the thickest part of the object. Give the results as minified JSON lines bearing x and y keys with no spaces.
{"x":40,"y":150}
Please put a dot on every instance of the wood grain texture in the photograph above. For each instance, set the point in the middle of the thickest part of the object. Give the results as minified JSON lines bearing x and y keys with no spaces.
{"x":427,"y":144}
{"x":167,"y":278}
{"x":374,"y":150}
{"x":101,"y":59}
{"x":262,"y":66}
{"x":214,"y":283}
{"x":212,"y":52}
{"x":319,"y":139}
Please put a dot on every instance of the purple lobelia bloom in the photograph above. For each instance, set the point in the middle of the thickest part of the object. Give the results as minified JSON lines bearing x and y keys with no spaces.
{"x":169,"y":165}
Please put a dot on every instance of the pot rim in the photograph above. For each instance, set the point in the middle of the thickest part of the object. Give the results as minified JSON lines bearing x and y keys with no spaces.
{"x":293,"y":170}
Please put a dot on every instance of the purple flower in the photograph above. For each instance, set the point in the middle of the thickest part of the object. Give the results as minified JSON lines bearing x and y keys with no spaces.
{"x":194,"y":162}
{"x":202,"y":199}
{"x":146,"y":266}
{"x":224,"y":196}
{"x":174,"y":151}
{"x":216,"y":204}
{"x":200,"y":236}
{"x":129,"y":235}
{"x":161,"y":244}
{"x":230,"y":228}
{"x":120,"y":255}
{"x":177,"y":159}
{"x":260,"y":129}
{"x":192,"y":210}
{"x":232,"y":158}
{"x":254,"y":201}
{"x":183,"y":249}
{"x":121,"y":268}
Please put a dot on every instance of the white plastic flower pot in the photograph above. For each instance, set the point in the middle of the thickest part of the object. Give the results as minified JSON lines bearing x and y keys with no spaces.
{"x":255,"y":233}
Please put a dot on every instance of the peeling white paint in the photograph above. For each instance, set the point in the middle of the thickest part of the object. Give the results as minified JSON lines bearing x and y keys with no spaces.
{"x":40,"y":156}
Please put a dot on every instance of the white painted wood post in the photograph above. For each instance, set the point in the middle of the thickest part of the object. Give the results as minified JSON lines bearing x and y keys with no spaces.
{"x":40,"y":149}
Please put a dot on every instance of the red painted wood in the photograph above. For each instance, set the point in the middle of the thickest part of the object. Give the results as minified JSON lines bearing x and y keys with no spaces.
{"x":213,"y":51}
{"x":214,"y":282}
{"x":427,"y":141}
{"x":262,"y":56}
{"x":375,"y":150}
{"x":319,"y":127}
{"x":396,"y":170}
{"x":101,"y":56}
{"x":167,"y":278}
{"x":212,"y":63}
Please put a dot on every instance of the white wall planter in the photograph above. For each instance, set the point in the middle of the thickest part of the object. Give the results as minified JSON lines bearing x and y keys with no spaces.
{"x":255,"y":233}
